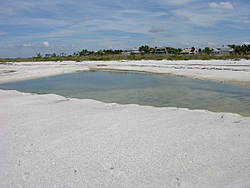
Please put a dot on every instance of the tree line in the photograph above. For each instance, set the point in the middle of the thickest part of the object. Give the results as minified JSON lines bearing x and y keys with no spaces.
{"x":237,"y":49}
{"x":241,"y":50}
{"x":145,"y":49}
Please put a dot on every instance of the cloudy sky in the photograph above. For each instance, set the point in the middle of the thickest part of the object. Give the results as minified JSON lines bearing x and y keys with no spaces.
{"x":28,"y":27}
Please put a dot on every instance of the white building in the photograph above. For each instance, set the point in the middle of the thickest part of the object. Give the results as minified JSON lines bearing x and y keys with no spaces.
{"x":192,"y":50}
{"x":160,"y":50}
{"x":224,"y":50}
{"x":131,"y":51}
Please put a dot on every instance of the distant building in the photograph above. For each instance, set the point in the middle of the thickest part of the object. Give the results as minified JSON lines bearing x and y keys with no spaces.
{"x":224,"y":50}
{"x":192,"y":50}
{"x":131,"y":51}
{"x":160,"y":50}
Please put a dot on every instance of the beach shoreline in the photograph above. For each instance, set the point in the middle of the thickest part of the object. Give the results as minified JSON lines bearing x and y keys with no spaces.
{"x":230,"y":71}
{"x":54,"y":141}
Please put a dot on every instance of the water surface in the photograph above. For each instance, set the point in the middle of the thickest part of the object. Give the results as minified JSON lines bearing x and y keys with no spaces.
{"x":143,"y":89}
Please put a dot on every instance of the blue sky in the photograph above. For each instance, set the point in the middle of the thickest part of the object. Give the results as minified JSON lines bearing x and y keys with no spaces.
{"x":28,"y":27}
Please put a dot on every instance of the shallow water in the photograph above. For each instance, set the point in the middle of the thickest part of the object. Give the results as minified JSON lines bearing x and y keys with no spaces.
{"x":143,"y":89}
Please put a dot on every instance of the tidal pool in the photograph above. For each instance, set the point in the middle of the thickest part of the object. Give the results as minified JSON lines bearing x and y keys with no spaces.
{"x":144,"y":89}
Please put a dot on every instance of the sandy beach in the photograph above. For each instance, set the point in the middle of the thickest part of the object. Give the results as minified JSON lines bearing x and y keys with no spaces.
{"x":230,"y":71}
{"x":53,"y":141}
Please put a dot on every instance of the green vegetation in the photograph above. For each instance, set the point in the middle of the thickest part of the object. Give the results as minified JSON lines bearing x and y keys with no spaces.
{"x":145,"y":52}
{"x":241,"y":50}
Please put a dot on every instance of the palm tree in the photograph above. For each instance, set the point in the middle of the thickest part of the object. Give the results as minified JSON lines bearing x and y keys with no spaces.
{"x":145,"y":49}
{"x":38,"y":55}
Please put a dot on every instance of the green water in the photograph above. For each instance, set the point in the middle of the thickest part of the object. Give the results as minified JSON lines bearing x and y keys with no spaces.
{"x":143,"y":89}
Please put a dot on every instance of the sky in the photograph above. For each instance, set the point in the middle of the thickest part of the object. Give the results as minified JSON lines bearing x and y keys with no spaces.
{"x":28,"y":27}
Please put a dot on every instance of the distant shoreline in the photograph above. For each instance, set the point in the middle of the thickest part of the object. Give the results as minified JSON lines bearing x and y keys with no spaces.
{"x":134,"y":57}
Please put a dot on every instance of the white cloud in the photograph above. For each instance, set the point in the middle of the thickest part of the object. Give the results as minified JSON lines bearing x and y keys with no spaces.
{"x":86,"y":18}
{"x":222,"y":5}
{"x":172,"y":2}
{"x":45,"y":43}
{"x":246,"y":43}
{"x":26,"y":45}
{"x":245,"y":19}
{"x":3,"y":33}
{"x":157,"y":29}
{"x":199,"y":18}
{"x":182,"y":18}
{"x":212,"y":44}
{"x":185,"y":43}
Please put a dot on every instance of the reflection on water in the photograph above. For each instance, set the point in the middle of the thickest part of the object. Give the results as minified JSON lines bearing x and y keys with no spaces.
{"x":143,"y":89}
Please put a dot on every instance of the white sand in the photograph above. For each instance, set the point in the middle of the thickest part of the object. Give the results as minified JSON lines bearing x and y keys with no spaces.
{"x":52,"y":141}
{"x":216,"y":70}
